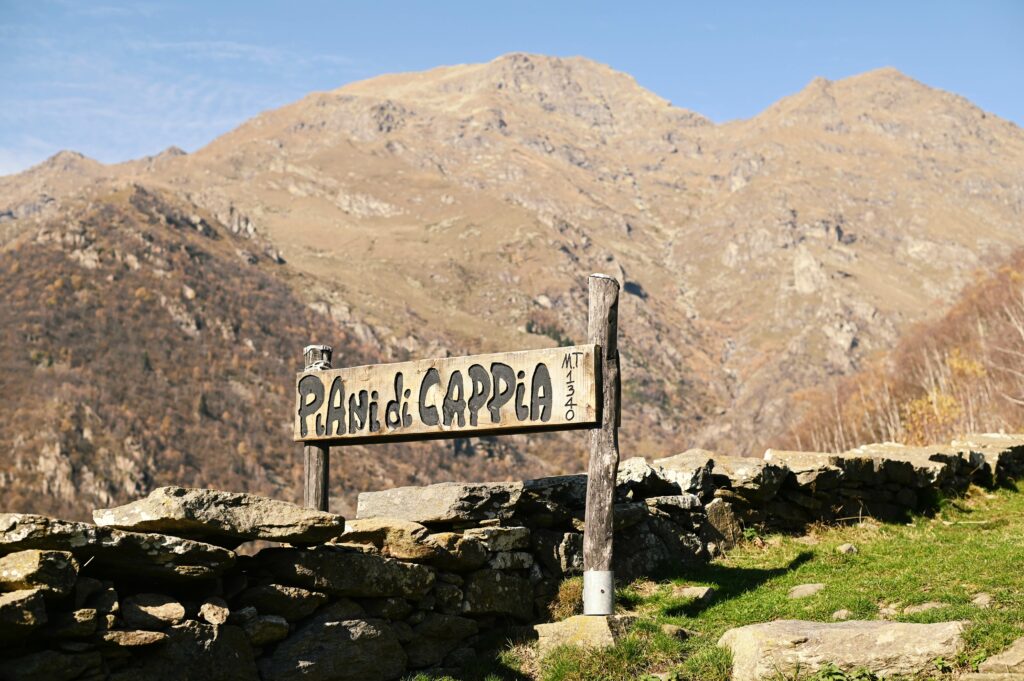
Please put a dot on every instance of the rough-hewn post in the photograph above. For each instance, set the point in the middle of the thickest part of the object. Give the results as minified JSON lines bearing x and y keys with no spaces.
{"x":317,"y":457}
{"x":598,"y":579}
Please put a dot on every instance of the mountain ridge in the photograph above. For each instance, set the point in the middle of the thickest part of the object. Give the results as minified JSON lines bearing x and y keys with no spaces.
{"x":438,"y":213}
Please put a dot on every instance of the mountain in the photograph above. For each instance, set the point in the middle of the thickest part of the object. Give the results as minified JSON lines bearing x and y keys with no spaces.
{"x":460,"y":209}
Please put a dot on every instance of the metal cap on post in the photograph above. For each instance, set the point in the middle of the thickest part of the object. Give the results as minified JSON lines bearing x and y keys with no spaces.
{"x":316,"y":458}
{"x":598,"y":578}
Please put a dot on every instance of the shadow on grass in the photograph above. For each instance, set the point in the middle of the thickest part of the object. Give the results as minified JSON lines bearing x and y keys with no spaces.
{"x":731,"y":582}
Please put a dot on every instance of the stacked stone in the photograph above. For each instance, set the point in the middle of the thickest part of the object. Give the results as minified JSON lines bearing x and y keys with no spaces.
{"x":156,"y":589}
{"x":530,"y":534}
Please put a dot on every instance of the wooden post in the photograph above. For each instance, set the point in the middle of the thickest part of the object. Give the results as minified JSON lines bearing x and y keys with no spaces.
{"x":598,"y":579}
{"x":317,"y":458}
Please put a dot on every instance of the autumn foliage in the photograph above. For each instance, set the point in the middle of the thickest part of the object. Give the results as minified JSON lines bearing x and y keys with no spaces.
{"x":960,"y":374}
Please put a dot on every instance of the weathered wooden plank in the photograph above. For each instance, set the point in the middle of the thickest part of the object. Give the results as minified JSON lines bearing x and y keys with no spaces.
{"x":598,"y":581}
{"x":316,"y":457}
{"x":509,"y":392}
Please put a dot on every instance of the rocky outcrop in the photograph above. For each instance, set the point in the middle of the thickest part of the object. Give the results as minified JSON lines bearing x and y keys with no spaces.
{"x":764,"y":651}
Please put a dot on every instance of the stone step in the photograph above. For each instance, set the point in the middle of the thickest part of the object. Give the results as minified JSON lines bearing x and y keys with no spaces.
{"x":1010,"y":660}
{"x":993,"y":676}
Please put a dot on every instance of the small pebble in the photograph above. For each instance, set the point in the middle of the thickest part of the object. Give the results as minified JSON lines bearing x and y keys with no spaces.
{"x":842,"y":615}
{"x":846,"y":549}
{"x":982,"y":600}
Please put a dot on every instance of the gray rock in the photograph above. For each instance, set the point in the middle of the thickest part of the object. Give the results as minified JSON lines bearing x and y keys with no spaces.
{"x":501,"y":538}
{"x":151,"y":611}
{"x":723,"y":525}
{"x":689,"y":472}
{"x":701,"y":594}
{"x":842,"y":615}
{"x":52,"y":571}
{"x":20,"y":613}
{"x":192,"y":651}
{"x":763,"y":651}
{"x":846,"y":549}
{"x":266,"y":629}
{"x":392,"y":537}
{"x":511,"y":560}
{"x":922,"y":607}
{"x":494,"y":592}
{"x":127,"y":639}
{"x":115,"y":552}
{"x":657,"y":547}
{"x":214,"y":610}
{"x":333,"y":647}
{"x":753,"y":479}
{"x":638,"y":479}
{"x":339,"y":572}
{"x":456,"y":552}
{"x":51,"y":665}
{"x":1008,"y":661}
{"x":218,"y":517}
{"x":582,"y":631}
{"x":982,"y":600}
{"x":446,"y":502}
{"x":435,"y":637}
{"x":290,"y":602}
{"x":560,"y":552}
{"x":804,"y":590}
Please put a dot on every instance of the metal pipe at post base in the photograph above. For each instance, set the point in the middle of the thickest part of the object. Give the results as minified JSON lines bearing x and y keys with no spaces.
{"x":598,"y":592}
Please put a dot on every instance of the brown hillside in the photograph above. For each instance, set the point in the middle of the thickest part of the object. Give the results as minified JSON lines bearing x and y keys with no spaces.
{"x":459,"y":210}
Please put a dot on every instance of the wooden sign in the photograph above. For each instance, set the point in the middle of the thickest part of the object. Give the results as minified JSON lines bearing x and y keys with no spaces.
{"x":509,"y":392}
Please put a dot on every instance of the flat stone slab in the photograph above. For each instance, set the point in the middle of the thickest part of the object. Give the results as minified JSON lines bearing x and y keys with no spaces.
{"x":446,"y":502}
{"x":228,"y":518}
{"x":763,"y":651}
{"x":583,"y":631}
{"x":1010,"y":660}
{"x":115,"y":552}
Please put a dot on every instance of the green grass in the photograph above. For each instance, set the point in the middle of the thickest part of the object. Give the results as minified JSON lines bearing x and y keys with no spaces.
{"x":972,"y":545}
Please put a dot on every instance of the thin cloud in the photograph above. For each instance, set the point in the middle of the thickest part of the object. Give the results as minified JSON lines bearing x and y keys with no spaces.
{"x":233,"y":50}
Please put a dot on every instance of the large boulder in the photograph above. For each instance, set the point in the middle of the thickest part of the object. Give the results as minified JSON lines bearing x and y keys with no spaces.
{"x":115,"y":552}
{"x":341,"y":572}
{"x":191,"y":650}
{"x":227,"y":518}
{"x":764,"y":651}
{"x":54,"y":572}
{"x":446,"y":502}
{"x":20,"y":613}
{"x":334,"y":646}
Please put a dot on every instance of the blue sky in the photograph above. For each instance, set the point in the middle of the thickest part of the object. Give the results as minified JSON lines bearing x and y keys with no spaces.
{"x":121,"y":80}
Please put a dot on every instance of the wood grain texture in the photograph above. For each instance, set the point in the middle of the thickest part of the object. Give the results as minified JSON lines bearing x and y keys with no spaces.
{"x":604,"y":441}
{"x":501,"y":393}
{"x":317,"y":457}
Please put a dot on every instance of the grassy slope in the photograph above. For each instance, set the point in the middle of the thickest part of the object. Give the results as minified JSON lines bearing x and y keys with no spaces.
{"x":972,"y":545}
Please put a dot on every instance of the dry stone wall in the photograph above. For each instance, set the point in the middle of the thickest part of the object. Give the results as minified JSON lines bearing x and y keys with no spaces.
{"x":160,"y":589}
